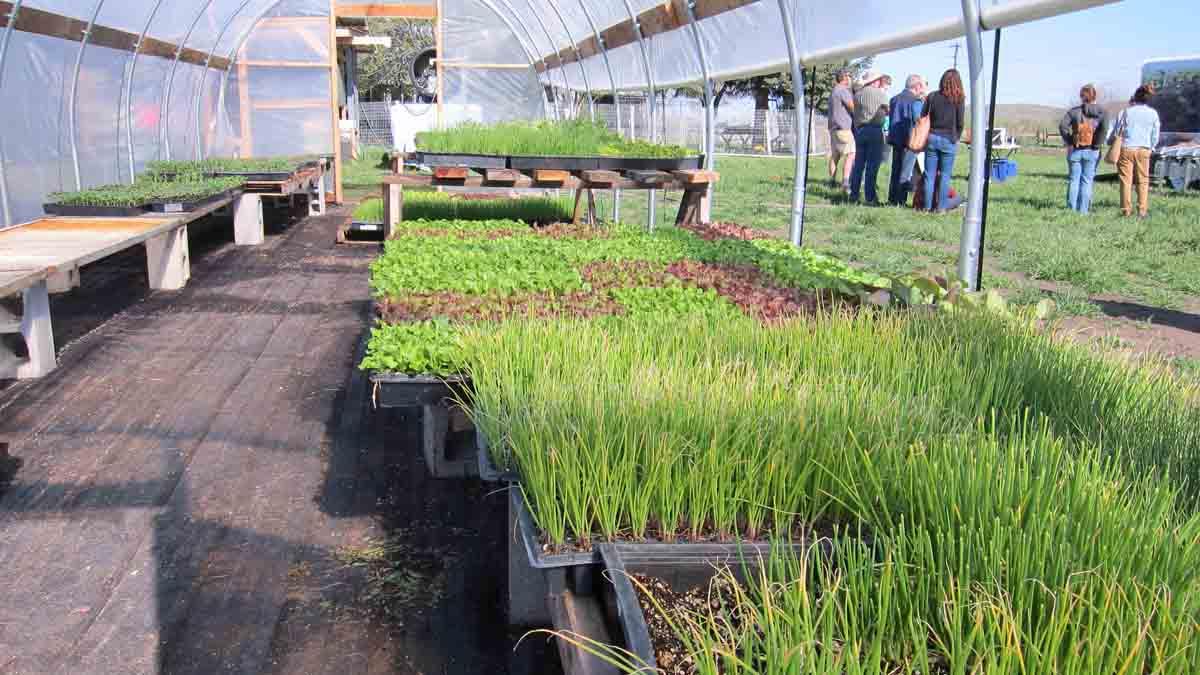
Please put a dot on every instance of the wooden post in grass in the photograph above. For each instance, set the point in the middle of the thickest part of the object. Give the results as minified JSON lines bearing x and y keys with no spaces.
{"x":167,"y":260}
{"x":393,"y":208}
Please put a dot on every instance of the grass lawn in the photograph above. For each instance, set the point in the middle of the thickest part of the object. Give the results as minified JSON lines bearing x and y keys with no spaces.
{"x":1034,"y":244}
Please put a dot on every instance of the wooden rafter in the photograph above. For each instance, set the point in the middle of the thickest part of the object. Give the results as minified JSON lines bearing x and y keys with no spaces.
{"x":385,"y":10}
{"x":42,"y":22}
{"x":662,"y":18}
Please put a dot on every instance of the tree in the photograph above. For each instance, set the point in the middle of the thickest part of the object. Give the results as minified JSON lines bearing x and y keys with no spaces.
{"x":779,"y":85}
{"x":385,"y":72}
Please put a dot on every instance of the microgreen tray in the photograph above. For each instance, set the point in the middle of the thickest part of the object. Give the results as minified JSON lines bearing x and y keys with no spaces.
{"x":470,"y":161}
{"x":56,"y":209}
{"x":405,"y":391}
{"x":190,"y":205}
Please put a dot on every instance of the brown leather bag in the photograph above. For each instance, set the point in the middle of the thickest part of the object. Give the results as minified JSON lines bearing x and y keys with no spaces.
{"x":1114,"y":149}
{"x":919,"y":138}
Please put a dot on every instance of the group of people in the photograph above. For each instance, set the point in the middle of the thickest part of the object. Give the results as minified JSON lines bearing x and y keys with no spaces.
{"x":1084,"y":130}
{"x":863,"y":121}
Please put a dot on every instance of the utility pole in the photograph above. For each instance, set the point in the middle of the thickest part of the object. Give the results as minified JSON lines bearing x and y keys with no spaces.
{"x":956,"y":47}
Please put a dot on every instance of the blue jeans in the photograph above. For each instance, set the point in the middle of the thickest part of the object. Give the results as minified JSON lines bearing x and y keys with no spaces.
{"x":1081,"y":168}
{"x":939,"y":156}
{"x":903,"y":161}
{"x":867,"y":160}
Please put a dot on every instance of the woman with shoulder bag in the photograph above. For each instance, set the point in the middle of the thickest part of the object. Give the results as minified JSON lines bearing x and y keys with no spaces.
{"x":945,"y":110}
{"x":1083,"y":130}
{"x":1134,"y":139}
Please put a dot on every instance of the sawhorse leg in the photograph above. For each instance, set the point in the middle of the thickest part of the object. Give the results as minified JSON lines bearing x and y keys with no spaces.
{"x":167,"y":261}
{"x":316,"y":198}
{"x":37,"y":332}
{"x":248,"y":227}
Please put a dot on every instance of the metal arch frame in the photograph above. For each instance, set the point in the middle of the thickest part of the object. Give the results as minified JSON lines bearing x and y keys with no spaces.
{"x":799,"y":126}
{"x":73,"y":102}
{"x":127,"y":93}
{"x":561,"y":70}
{"x":204,"y":74}
{"x":612,"y":82}
{"x":709,"y":131}
{"x":530,"y":50}
{"x":970,"y":241}
{"x":8,"y":29}
{"x":237,"y":47}
{"x":641,"y":40}
{"x":164,"y":127}
{"x":578,"y":58}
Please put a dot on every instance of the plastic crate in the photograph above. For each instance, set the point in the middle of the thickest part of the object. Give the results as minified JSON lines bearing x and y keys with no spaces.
{"x":1003,"y":169}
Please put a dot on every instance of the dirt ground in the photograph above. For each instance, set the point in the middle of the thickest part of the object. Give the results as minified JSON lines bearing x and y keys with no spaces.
{"x":202,"y":486}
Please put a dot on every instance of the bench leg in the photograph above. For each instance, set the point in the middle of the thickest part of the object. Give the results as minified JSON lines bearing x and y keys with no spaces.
{"x":63,"y":281}
{"x":167,"y":261}
{"x":393,"y":208}
{"x":316,"y":199}
{"x":248,"y":229}
{"x":36,"y":329}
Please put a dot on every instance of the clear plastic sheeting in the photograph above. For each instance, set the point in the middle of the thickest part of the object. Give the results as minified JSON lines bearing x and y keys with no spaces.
{"x":83,"y":114}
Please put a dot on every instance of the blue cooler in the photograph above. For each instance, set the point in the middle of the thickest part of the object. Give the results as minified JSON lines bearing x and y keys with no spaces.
{"x":1003,"y":169}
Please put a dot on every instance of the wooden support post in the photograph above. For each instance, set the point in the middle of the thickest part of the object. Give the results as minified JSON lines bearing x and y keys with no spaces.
{"x":450,"y":172}
{"x":591,"y":198}
{"x":63,"y":281}
{"x":393,"y":208}
{"x":577,"y":212}
{"x":551,"y":176}
{"x":167,"y":260}
{"x":248,"y":229}
{"x":689,"y":207}
{"x":316,"y":198}
{"x":38,"y":333}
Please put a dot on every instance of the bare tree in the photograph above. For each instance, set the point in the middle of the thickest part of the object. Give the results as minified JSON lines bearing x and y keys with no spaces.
{"x":383,"y":72}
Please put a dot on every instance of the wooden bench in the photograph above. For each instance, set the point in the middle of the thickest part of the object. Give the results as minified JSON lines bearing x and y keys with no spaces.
{"x":44,"y":256}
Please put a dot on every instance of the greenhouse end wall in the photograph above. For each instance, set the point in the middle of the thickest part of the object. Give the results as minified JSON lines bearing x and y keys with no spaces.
{"x":83,"y":114}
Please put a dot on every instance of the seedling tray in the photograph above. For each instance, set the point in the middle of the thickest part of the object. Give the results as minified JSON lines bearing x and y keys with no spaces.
{"x":470,"y":161}
{"x":649,"y":164}
{"x":488,"y":471}
{"x":526,"y":163}
{"x":528,"y":533}
{"x":682,"y":567}
{"x":185,"y":206}
{"x":94,"y":211}
{"x":257,"y":176}
{"x":406,"y":391}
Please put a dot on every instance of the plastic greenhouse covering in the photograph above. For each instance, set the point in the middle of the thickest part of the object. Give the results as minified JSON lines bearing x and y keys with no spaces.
{"x":252,"y":77}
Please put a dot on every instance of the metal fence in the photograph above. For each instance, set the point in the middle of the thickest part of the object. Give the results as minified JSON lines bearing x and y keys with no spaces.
{"x":375,"y":123}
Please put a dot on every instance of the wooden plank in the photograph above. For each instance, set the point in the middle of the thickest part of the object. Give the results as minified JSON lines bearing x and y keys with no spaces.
{"x":580,"y":615}
{"x":15,"y":281}
{"x":375,"y":9}
{"x":267,"y":63}
{"x":450,"y":172}
{"x":557,"y":176}
{"x":601,"y":177}
{"x":42,"y":22}
{"x":650,"y":178}
{"x":526,"y":182}
{"x":502,"y":176}
{"x":662,"y":18}
{"x":696,"y":176}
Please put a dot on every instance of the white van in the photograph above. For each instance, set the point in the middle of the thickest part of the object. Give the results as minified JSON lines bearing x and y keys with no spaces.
{"x":1176,"y":83}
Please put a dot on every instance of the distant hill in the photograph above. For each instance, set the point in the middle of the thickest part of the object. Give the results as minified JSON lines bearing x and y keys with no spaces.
{"x":1026,"y":119}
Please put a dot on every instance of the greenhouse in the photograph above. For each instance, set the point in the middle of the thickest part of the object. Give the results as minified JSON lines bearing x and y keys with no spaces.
{"x":506,"y":376}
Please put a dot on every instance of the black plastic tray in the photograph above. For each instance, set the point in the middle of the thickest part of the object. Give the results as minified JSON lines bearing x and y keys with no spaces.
{"x":184,"y":207}
{"x":94,"y":211}
{"x":488,"y":471}
{"x":406,"y":391}
{"x":682,"y":566}
{"x":526,"y":163}
{"x":650,"y":164}
{"x":470,"y":161}
{"x":529,"y":535}
{"x":258,"y":176}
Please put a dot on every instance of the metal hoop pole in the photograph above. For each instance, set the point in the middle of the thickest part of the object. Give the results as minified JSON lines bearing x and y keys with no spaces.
{"x":612,"y":83}
{"x":641,"y":40}
{"x":531,"y":50}
{"x":163,"y":123}
{"x":561,"y":70}
{"x":8,"y":29}
{"x":709,"y":131}
{"x":972,"y":228}
{"x":72,"y":117}
{"x":578,"y":58}
{"x":800,"y":144}
{"x":128,"y":93}
{"x":204,"y":73}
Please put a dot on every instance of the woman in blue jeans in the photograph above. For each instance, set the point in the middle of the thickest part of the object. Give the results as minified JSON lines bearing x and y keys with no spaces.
{"x":945,"y":109}
{"x":1083,"y":130}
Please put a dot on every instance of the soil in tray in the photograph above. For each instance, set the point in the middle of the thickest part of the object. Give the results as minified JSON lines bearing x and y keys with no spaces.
{"x":670,"y":652}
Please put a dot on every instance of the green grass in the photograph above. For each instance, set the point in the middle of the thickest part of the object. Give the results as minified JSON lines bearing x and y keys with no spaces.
{"x":174,"y":170}
{"x":1030,"y":233}
{"x":426,"y":205}
{"x":571,"y":138}
{"x":363,"y":175}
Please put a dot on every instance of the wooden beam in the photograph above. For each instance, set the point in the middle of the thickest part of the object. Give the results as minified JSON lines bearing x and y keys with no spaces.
{"x":386,"y":10}
{"x":450,"y":172}
{"x":600,"y":177}
{"x":696,"y":176}
{"x":502,"y":176}
{"x":667,"y":16}
{"x":551,"y":176}
{"x":334,"y":113}
{"x":49,"y":24}
{"x":285,"y":64}
{"x":291,"y":104}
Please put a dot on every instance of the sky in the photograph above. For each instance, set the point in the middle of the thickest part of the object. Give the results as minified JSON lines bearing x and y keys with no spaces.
{"x":1046,"y":62}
